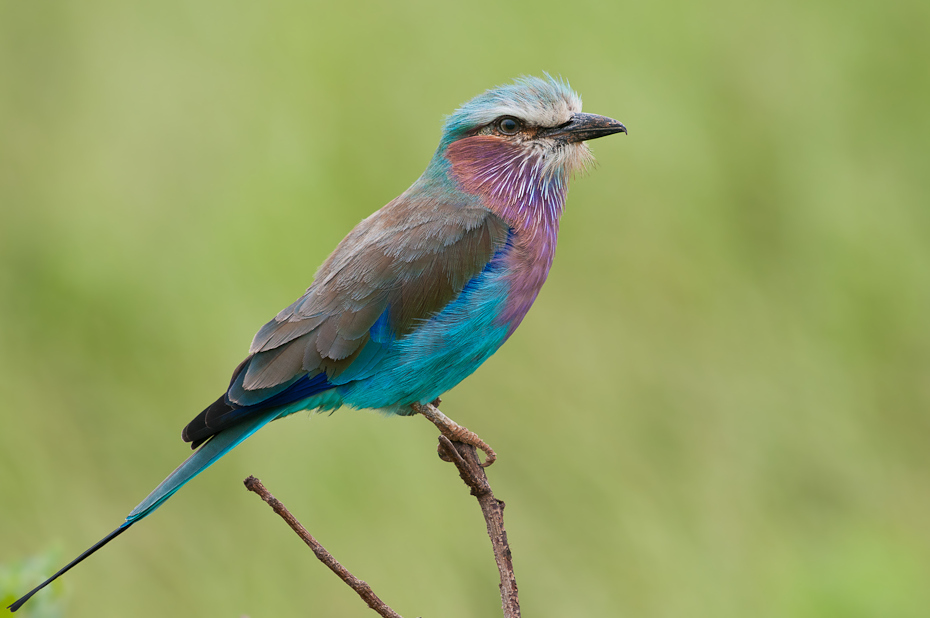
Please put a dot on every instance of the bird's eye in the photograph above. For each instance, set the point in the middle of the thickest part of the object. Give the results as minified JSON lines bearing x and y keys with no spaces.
{"x":508,"y":125}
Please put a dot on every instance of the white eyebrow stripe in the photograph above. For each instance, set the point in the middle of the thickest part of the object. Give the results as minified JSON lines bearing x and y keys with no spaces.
{"x":533,"y":115}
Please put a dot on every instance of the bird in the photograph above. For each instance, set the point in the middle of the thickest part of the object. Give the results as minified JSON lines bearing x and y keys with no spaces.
{"x":420,"y":293}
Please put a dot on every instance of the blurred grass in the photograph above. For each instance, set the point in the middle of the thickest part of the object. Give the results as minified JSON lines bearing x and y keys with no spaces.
{"x":24,"y":575}
{"x":718,"y":407}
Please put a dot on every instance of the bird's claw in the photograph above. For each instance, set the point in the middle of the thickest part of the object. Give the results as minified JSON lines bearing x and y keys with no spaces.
{"x":455,"y":432}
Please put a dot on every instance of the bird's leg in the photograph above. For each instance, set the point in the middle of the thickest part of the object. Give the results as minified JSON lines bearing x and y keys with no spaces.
{"x":454,"y":431}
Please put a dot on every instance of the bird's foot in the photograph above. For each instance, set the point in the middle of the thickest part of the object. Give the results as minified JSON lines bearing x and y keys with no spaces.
{"x":454,"y":431}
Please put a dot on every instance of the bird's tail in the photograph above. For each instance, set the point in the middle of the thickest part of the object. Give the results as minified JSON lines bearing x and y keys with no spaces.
{"x":218,"y":446}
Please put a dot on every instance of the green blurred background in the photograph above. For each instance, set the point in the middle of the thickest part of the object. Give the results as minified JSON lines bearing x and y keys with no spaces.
{"x":717,"y":408}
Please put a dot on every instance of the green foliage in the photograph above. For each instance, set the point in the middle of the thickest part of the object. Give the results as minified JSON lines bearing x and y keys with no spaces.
{"x":717,"y":408}
{"x":22,"y":576}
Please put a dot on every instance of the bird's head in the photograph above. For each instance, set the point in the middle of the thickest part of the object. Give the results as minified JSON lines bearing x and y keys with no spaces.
{"x":517,"y":145}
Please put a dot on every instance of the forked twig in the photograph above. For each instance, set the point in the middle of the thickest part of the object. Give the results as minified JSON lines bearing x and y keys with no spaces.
{"x":453,"y":431}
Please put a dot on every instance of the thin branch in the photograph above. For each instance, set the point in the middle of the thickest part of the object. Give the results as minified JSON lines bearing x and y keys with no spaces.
{"x":361,"y":588}
{"x":471,"y":470}
{"x":472,"y":473}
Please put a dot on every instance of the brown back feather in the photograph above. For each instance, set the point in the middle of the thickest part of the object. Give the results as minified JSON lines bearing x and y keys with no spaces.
{"x":410,"y":258}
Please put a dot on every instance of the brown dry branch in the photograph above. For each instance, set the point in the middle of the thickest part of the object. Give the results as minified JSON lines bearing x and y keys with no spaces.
{"x":465,"y":458}
{"x":361,"y":588}
{"x":471,"y":471}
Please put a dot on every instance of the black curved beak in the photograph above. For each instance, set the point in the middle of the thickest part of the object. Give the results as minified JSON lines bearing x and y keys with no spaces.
{"x":583,"y":127}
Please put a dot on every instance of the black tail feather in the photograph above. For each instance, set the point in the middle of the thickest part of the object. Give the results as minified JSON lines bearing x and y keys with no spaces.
{"x":15,"y":606}
{"x":215,"y":418}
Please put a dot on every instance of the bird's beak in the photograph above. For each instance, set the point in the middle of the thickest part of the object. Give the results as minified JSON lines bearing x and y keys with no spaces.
{"x":583,"y":127}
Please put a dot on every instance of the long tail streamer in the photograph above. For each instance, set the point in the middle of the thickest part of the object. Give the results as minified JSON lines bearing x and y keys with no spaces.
{"x":218,"y":446}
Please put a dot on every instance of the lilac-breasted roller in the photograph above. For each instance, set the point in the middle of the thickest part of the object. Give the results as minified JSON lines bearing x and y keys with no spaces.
{"x":420,"y":293}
